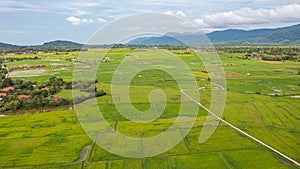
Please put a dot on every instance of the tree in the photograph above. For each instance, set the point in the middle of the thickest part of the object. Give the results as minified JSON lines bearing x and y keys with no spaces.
{"x":7,"y":82}
{"x":13,"y":105}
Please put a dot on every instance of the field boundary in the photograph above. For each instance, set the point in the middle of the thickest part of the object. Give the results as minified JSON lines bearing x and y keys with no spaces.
{"x":225,"y":161}
{"x":241,"y":131}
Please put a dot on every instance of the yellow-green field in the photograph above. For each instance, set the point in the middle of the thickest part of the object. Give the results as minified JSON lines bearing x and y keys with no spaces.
{"x":258,"y":101}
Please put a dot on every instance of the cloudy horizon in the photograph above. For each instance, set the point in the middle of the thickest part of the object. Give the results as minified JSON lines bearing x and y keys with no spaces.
{"x":34,"y":22}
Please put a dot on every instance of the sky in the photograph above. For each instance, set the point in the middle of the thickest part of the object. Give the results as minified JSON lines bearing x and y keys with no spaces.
{"x":32,"y":22}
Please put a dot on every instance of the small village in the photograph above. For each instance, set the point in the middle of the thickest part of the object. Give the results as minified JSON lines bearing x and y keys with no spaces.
{"x":21,"y":94}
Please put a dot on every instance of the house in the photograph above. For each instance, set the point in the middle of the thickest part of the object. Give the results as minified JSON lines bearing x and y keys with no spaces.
{"x":259,"y":57}
{"x":3,"y":94}
{"x":56,"y":98}
{"x":7,"y":89}
{"x":45,"y":88}
{"x":23,"y":96}
{"x":106,"y":59}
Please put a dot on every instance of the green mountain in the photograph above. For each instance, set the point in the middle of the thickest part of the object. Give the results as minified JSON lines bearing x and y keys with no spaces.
{"x":61,"y":43}
{"x":163,"y":40}
{"x":279,"y":36}
{"x":7,"y":46}
{"x":51,"y":45}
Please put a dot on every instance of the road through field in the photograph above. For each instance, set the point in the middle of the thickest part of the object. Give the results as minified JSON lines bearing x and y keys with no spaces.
{"x":241,"y":131}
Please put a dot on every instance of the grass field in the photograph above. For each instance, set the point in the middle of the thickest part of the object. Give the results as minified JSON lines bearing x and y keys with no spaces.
{"x":56,"y":139}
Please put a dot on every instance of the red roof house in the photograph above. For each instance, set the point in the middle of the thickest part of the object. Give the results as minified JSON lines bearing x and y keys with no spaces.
{"x":23,"y":96}
{"x":45,"y":88}
{"x":3,"y":94}
{"x":56,"y":98}
{"x":7,"y":89}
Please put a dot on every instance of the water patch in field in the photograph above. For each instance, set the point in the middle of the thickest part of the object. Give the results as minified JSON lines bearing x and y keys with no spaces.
{"x":84,"y":153}
{"x":27,"y":73}
{"x":295,"y":97}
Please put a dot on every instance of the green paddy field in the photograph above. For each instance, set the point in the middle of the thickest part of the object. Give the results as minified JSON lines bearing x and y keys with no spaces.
{"x":262,"y":99}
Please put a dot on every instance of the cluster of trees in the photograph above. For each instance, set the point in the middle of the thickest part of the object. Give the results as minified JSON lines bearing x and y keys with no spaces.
{"x":87,"y":87}
{"x":35,"y":50}
{"x":98,"y":93}
{"x":3,"y":72}
{"x":168,"y":47}
{"x":56,"y":84}
{"x":281,"y":58}
{"x":10,"y":59}
{"x":41,"y":95}
{"x":270,"y":50}
{"x":26,"y":67}
{"x":271,"y":57}
{"x":183,"y":52}
{"x":266,"y":53}
{"x":11,"y":103}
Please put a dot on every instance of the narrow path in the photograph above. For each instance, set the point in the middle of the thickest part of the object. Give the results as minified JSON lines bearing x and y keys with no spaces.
{"x":116,"y":125}
{"x":226,"y":161}
{"x":241,"y":131}
{"x":186,"y":142}
{"x":260,"y":116}
{"x":88,"y":152}
{"x":275,"y":114}
{"x":287,"y":110}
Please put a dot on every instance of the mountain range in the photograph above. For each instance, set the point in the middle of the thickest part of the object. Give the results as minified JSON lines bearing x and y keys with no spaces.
{"x":278,"y":36}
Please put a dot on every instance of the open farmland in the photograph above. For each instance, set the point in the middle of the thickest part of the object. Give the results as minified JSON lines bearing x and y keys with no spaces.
{"x":260,"y":100}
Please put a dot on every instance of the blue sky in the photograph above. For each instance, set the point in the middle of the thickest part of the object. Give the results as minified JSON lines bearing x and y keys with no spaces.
{"x":37,"y":21}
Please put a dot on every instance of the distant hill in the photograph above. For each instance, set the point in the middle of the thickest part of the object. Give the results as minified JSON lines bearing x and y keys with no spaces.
{"x":61,"y":43}
{"x":51,"y":44}
{"x":279,"y":36}
{"x":7,"y":46}
{"x":231,"y":35}
{"x":284,"y":36}
{"x":163,"y":40}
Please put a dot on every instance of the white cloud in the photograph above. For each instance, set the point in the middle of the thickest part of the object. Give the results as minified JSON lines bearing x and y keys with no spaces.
{"x":169,"y":13}
{"x":74,"y":20}
{"x":248,"y":16}
{"x":87,"y":20}
{"x":176,"y":13}
{"x":180,"y":14}
{"x":78,"y":21}
{"x":101,"y":20}
{"x":201,"y":23}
